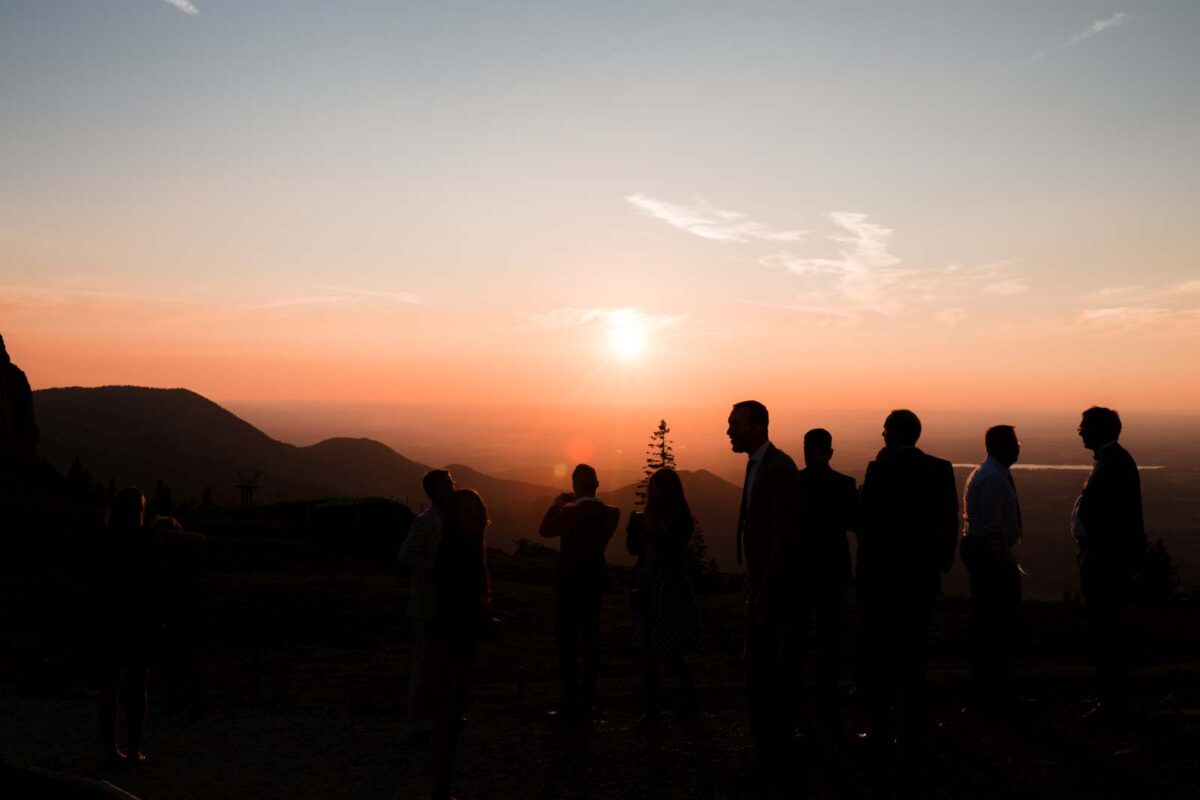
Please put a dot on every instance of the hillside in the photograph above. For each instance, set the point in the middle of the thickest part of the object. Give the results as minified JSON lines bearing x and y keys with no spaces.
{"x":138,"y":436}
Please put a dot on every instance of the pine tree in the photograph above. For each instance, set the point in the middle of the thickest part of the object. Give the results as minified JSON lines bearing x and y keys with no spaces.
{"x":659,"y":454}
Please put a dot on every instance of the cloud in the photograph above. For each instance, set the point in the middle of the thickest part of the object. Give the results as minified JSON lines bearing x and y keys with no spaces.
{"x":1168,"y":310}
{"x":400,"y":297}
{"x":701,"y":219}
{"x":607,"y":318}
{"x":184,"y":6}
{"x":1097,"y":27}
{"x":1009,"y":287}
{"x":1093,"y":29}
{"x":951,"y":317}
{"x":865,"y":276}
{"x":863,"y":269}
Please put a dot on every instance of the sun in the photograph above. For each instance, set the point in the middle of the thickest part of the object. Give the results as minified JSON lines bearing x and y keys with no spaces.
{"x":627,"y":340}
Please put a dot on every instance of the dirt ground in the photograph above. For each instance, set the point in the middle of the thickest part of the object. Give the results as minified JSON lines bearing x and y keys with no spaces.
{"x":302,"y":674}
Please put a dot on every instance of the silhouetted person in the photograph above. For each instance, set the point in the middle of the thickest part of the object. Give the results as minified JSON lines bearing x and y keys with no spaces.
{"x":906,"y":537}
{"x":459,"y":621}
{"x":130,"y":607}
{"x":766,"y":543}
{"x":1108,"y":527}
{"x":991,"y":527}
{"x":829,"y":509}
{"x":18,"y":430}
{"x":663,"y":600}
{"x":584,"y":525}
{"x":417,"y":552}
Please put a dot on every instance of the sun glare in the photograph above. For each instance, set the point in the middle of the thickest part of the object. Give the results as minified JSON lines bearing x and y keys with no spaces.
{"x":627,"y":340}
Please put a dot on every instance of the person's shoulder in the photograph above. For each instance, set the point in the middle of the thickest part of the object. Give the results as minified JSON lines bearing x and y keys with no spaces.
{"x":844,"y":480}
{"x":934,"y":462}
{"x":782,"y":460}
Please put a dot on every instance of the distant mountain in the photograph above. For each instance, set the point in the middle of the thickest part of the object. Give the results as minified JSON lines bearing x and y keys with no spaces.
{"x":138,"y":436}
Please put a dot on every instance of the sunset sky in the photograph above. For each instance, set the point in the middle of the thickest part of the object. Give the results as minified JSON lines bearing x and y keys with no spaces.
{"x":833,"y":204}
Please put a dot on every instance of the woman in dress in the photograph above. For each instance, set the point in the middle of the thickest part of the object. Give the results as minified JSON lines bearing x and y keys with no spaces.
{"x":663,"y":598}
{"x":460,"y":619}
{"x":130,"y":621}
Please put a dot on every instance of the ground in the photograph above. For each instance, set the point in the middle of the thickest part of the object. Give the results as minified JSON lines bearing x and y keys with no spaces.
{"x":303,"y":658}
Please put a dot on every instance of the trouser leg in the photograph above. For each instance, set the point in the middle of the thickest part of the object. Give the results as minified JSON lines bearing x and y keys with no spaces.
{"x":566,"y":633}
{"x":590,"y":640}
{"x":419,"y":701}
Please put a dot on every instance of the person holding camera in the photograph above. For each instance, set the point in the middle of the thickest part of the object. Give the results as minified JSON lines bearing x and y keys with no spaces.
{"x":584,"y":526}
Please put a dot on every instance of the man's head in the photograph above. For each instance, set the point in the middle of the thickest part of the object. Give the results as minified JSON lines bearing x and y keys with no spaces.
{"x":818,"y":448}
{"x":901,"y":428}
{"x":584,"y":481}
{"x":1099,"y":427}
{"x":438,"y":486}
{"x":748,"y":423}
{"x":1002,"y":444}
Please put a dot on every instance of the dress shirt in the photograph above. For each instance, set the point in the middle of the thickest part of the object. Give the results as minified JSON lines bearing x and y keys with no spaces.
{"x":417,"y":553}
{"x":992,"y":508}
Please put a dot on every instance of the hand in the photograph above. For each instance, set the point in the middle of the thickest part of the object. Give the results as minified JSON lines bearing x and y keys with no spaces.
{"x":564,"y":498}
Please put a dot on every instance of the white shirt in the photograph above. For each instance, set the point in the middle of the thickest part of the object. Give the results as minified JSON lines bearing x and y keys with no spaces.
{"x":992,"y":509}
{"x":417,"y":553}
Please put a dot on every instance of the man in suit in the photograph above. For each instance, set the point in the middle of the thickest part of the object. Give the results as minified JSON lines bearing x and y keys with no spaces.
{"x":991,"y":527}
{"x":766,"y":544}
{"x":417,"y":553}
{"x":1109,"y":529}
{"x":906,"y":538}
{"x":584,"y":525}
{"x":829,"y":508}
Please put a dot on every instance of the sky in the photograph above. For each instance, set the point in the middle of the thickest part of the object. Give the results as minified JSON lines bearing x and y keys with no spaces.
{"x":849,"y":205}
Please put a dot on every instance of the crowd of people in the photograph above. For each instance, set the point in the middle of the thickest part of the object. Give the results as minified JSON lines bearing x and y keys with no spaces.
{"x":792,"y":543}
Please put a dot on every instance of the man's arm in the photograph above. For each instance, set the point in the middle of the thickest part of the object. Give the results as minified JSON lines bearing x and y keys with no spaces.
{"x":784,"y":491}
{"x":947,"y":520}
{"x":556,"y":522}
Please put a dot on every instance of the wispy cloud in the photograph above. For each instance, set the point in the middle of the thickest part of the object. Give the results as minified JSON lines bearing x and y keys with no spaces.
{"x":1168,"y":310}
{"x":951,"y":317}
{"x":705,"y":221}
{"x":1009,"y":287}
{"x":407,"y":298}
{"x":1097,"y":27}
{"x":184,"y":6}
{"x":607,"y":318}
{"x":866,"y":276}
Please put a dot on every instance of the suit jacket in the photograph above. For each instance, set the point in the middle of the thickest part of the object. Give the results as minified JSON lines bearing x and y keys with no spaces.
{"x":584,"y":528}
{"x":909,"y":525}
{"x":828,"y":509}
{"x":770,"y":526}
{"x":1110,"y":510}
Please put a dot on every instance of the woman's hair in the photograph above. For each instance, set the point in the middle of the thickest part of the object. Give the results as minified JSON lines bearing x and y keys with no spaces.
{"x":459,"y":500}
{"x":456,"y":539}
{"x":128,"y":509}
{"x":665,"y":499}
